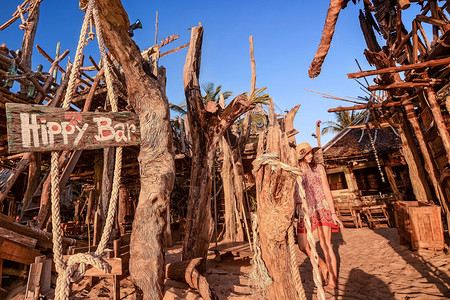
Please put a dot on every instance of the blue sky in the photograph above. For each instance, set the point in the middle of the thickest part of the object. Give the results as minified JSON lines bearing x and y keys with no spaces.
{"x":286,"y":35}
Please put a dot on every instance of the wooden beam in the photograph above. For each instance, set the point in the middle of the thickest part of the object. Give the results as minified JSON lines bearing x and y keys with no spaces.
{"x":17,"y":253}
{"x":174,"y":50}
{"x":359,"y":107}
{"x":431,"y":20}
{"x":431,"y":63}
{"x":400,"y":85}
{"x":17,"y":238}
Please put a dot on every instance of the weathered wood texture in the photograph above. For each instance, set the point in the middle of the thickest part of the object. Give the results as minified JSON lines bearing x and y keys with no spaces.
{"x":21,"y":165}
{"x":157,"y":169}
{"x":206,"y":130}
{"x":16,"y":252}
{"x":420,"y":224}
{"x":233,"y":225}
{"x":28,"y":37}
{"x":425,"y":64}
{"x":40,"y":128}
{"x":18,"y":238}
{"x":186,"y":271}
{"x":44,"y":239}
{"x":325,"y":42}
{"x":275,"y":191}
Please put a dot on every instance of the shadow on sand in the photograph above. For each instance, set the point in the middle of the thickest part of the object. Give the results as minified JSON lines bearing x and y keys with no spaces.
{"x":306,"y":267}
{"x":428,"y":271}
{"x":361,"y":285}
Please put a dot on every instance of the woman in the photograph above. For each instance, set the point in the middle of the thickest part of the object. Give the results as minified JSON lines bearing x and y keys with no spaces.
{"x":321,"y":211}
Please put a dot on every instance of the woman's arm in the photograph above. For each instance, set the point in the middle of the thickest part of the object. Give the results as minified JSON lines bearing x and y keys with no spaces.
{"x":329,"y":196}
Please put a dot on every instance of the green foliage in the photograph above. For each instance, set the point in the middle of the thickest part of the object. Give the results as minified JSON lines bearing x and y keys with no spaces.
{"x":212,"y":94}
{"x":258,"y":97}
{"x":180,"y":109}
{"x":343,"y":119}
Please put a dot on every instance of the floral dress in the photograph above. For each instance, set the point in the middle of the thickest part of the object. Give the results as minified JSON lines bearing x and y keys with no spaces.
{"x":318,"y":208}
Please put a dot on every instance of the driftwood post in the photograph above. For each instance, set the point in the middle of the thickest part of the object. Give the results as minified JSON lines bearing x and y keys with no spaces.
{"x":275,"y":192}
{"x":328,"y":30}
{"x":233,"y":228}
{"x":157,"y":168}
{"x":206,"y":130}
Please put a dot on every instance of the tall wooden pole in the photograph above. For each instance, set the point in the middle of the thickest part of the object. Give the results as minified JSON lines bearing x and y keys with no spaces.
{"x":156,"y":160}
{"x":415,"y":167}
{"x":429,"y":166}
{"x":206,"y":130}
{"x":28,"y":37}
{"x":438,"y":119}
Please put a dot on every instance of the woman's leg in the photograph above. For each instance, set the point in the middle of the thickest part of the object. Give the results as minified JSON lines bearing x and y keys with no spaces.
{"x":304,"y":247}
{"x":330,"y":257}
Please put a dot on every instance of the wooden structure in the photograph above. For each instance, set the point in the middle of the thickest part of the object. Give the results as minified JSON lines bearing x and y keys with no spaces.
{"x":417,"y":103}
{"x":419,"y":225}
{"x":356,"y":173}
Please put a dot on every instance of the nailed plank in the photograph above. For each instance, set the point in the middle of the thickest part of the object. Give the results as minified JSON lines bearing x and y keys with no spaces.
{"x":18,"y":238}
{"x":18,"y":253}
{"x":40,"y":128}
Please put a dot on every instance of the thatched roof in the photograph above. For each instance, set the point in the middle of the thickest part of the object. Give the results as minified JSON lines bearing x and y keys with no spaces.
{"x":349,"y":144}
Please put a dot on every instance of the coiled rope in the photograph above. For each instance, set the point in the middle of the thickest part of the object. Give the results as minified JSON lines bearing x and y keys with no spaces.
{"x":273,"y":160}
{"x":75,"y":267}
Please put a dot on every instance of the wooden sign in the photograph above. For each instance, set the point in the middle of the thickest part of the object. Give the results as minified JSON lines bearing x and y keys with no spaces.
{"x":40,"y":128}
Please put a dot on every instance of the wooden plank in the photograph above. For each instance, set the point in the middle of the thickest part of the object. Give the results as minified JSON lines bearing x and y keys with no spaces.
{"x":46,"y":275}
{"x":44,"y":239}
{"x":115,"y":263}
{"x":40,"y":128}
{"x":34,"y":278}
{"x":18,"y":253}
{"x":18,"y":238}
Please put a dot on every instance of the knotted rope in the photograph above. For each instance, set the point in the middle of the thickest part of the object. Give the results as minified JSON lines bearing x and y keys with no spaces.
{"x":75,"y":267}
{"x":273,"y":160}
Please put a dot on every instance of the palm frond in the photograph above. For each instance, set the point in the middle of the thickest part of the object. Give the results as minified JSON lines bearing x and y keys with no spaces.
{"x":258,"y":97}
{"x":180,"y":109}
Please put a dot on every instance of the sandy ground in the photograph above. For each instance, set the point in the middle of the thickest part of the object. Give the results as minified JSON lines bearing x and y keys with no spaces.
{"x":372,"y":265}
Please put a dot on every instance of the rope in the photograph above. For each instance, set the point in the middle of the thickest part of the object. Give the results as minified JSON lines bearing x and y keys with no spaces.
{"x":118,"y":161}
{"x":294,"y":264}
{"x":75,"y":266}
{"x":78,"y":56}
{"x":272,"y":160}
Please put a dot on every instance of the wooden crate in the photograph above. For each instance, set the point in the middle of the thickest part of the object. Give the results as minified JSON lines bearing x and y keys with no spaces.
{"x":419,"y":224}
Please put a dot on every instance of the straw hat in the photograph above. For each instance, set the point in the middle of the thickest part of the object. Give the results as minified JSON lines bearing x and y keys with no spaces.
{"x":303,"y":149}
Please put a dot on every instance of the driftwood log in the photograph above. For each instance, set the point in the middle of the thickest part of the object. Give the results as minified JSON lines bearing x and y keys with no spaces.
{"x":327,"y":34}
{"x":157,"y":169}
{"x":206,"y":130}
{"x":187,"y":272}
{"x":275,"y":192}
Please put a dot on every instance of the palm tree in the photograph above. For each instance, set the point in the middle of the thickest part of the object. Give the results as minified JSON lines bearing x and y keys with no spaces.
{"x":212,"y":94}
{"x":343,"y":119}
{"x":179,"y":109}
